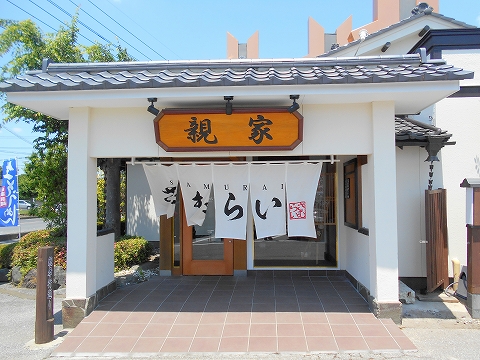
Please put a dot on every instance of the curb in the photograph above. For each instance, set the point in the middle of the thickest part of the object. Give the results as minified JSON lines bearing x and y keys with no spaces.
{"x":9,"y":237}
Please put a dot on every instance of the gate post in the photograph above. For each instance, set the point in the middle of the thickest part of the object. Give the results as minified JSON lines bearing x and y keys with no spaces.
{"x":473,"y":245}
{"x":44,"y":300}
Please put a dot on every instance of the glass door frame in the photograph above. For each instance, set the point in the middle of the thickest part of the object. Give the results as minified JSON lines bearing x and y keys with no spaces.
{"x":202,"y":267}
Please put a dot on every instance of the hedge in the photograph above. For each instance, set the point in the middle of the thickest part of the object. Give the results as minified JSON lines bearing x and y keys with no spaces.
{"x":6,"y":252}
{"x":26,"y":252}
{"x":129,"y":251}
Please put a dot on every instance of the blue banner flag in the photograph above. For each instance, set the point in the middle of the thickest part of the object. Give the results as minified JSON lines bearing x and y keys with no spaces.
{"x":9,"y":194}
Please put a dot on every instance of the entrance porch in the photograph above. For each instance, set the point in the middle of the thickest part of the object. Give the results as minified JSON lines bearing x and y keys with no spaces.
{"x":264,"y":312}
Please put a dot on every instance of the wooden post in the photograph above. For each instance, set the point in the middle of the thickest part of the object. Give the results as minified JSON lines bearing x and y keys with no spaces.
{"x":473,"y":246}
{"x":44,"y":301}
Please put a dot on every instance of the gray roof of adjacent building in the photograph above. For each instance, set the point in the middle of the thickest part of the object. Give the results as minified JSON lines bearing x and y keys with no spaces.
{"x":394,"y":26}
{"x":237,"y":72}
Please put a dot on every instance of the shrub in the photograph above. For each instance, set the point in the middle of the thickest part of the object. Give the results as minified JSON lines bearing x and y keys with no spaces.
{"x":26,"y":252}
{"x":6,"y":255}
{"x":130,"y":251}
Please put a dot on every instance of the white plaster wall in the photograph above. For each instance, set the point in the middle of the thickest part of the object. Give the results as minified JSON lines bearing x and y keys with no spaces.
{"x":105,"y":262}
{"x":337,"y":129}
{"x":141,"y":217}
{"x":122,"y":132}
{"x":460,"y":117}
{"x":412,"y":180}
{"x":353,"y":246}
{"x":323,"y":126}
{"x":465,"y":59}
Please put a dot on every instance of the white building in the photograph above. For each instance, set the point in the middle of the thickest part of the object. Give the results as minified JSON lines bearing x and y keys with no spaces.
{"x":457,"y":43}
{"x":367,"y":212}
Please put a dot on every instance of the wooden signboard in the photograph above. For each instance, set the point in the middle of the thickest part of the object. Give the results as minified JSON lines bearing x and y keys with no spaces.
{"x":44,"y":320}
{"x":243,"y":130}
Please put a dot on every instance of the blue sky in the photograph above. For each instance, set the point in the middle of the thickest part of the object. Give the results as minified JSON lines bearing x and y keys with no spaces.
{"x":195,"y":29}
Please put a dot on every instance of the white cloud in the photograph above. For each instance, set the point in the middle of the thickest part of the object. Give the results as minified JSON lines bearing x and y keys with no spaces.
{"x":17,"y":130}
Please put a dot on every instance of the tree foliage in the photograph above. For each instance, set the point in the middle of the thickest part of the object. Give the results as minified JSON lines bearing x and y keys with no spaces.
{"x":27,"y":46}
{"x":101,"y":201}
{"x":26,"y":187}
{"x":47,"y":172}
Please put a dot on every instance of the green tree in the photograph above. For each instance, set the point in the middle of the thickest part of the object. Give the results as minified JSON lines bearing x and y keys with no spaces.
{"x":28,"y":46}
{"x":46,"y":171}
{"x":26,"y":187}
{"x":101,"y":202}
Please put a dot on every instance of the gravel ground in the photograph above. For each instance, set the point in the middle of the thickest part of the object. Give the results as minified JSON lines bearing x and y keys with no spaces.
{"x":17,"y":325}
{"x":436,"y":338}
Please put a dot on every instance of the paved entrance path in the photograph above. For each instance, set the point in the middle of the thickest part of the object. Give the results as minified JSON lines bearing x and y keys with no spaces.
{"x":210,"y":314}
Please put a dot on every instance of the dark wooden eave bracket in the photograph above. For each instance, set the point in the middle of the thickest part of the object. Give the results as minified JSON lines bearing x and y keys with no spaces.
{"x":410,"y":132}
{"x":434,"y":144}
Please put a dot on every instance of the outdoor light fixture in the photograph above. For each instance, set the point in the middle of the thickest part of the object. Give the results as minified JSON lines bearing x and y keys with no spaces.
{"x":152,"y":109}
{"x":424,"y":30}
{"x":386,"y":46}
{"x":294,"y":106}
{"x":363,"y":35}
{"x":228,"y":105}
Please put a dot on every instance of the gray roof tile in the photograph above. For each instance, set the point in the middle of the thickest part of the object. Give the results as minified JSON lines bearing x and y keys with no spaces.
{"x":412,"y":130}
{"x":318,"y":71}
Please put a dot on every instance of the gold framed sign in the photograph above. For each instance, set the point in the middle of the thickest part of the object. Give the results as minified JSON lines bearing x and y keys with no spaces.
{"x":249,"y":129}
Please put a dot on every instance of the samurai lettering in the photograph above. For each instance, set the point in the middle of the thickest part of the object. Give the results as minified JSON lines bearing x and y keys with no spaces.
{"x":259,"y":129}
{"x":244,"y":187}
{"x":229,"y":211}
{"x":200,"y":131}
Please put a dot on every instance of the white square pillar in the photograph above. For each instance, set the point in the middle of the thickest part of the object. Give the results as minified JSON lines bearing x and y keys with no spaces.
{"x":383,"y":242}
{"x":81,"y":219}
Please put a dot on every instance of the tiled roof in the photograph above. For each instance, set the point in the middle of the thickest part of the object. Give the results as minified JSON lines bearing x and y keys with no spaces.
{"x":411,"y":130}
{"x":165,"y":74}
{"x":393,"y":26}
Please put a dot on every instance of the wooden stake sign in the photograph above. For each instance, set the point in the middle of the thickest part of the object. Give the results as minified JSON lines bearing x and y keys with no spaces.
{"x":44,"y":300}
{"x":213,"y":130}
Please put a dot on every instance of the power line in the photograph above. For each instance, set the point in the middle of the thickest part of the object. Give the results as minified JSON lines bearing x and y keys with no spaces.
{"x":140,"y":26}
{"x":13,"y":152}
{"x":18,"y":136}
{"x":125,"y":30}
{"x":14,"y":148}
{"x":11,"y":137}
{"x":109,"y":30}
{"x":44,"y":23}
{"x":89,"y":28}
{"x":61,"y":22}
